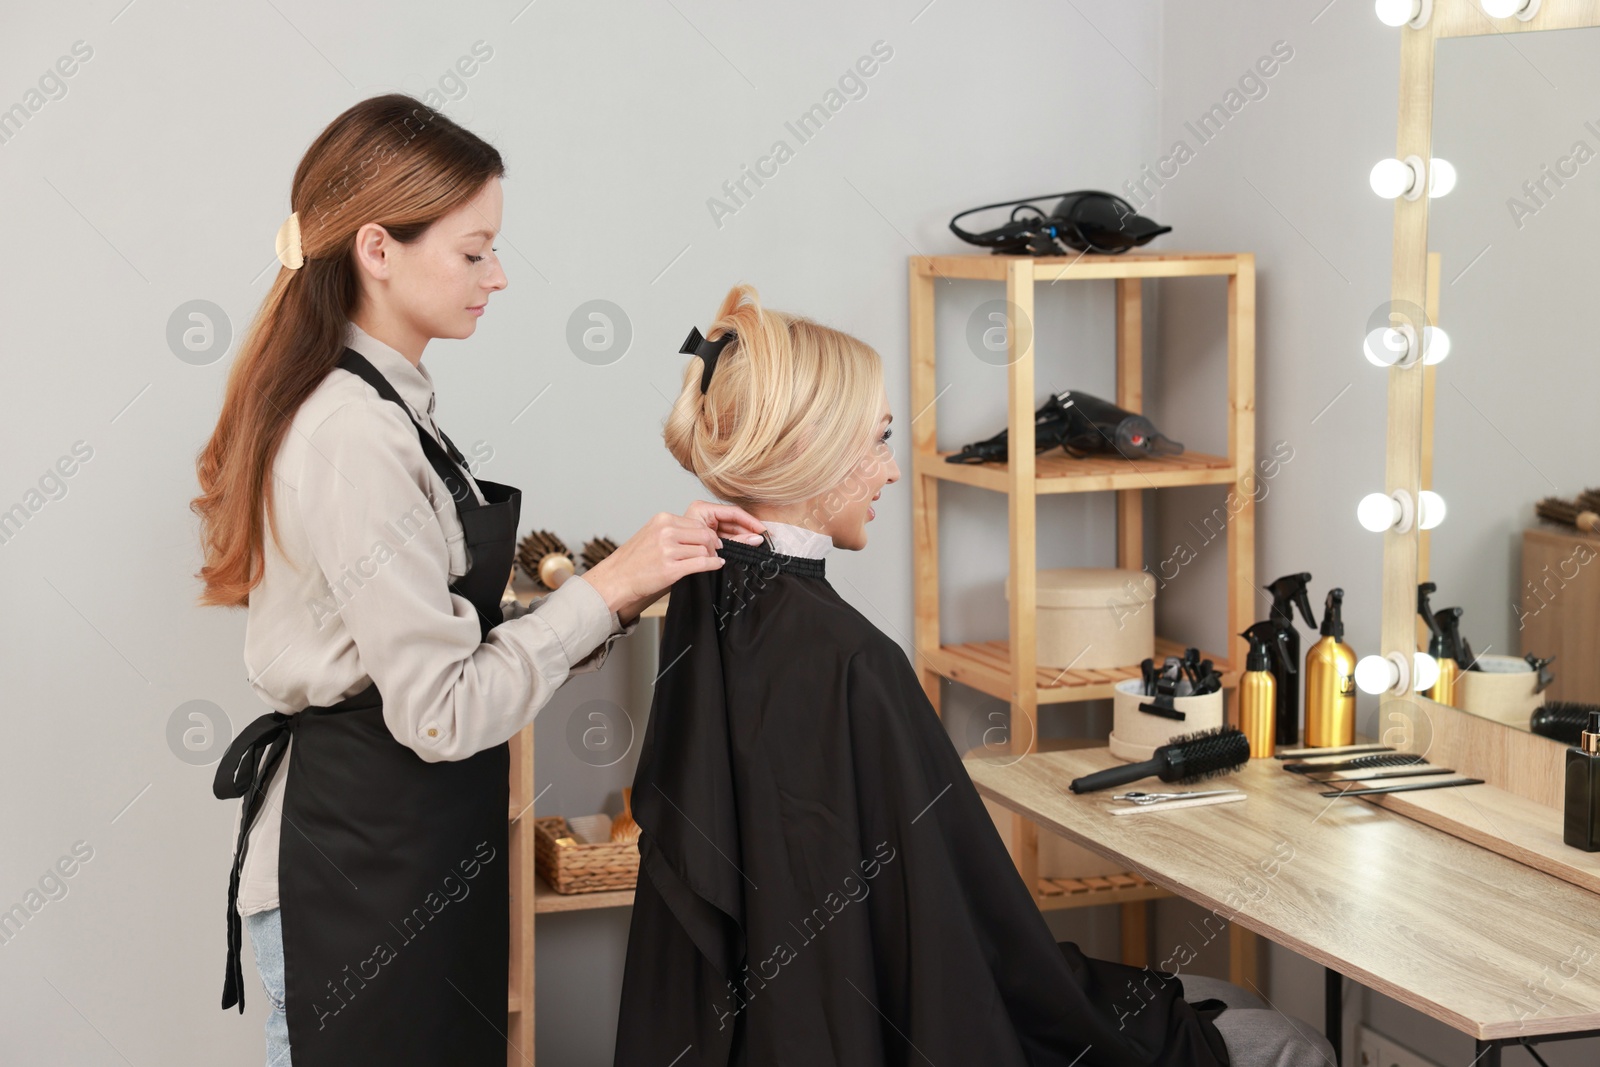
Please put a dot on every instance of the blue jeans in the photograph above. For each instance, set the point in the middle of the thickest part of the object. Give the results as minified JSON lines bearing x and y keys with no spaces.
{"x":266,"y":940}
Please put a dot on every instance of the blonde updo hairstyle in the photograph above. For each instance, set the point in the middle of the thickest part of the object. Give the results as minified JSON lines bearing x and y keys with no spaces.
{"x":790,"y":410}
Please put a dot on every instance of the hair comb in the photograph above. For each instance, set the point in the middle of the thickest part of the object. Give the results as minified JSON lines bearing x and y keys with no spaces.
{"x":708,"y":351}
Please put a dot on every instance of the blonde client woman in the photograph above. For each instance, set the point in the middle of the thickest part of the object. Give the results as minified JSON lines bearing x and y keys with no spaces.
{"x":820,"y":882}
{"x":370,"y":864}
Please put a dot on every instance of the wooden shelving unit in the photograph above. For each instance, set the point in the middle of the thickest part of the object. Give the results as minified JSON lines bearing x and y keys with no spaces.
{"x":531,"y":896}
{"x":1007,"y":668}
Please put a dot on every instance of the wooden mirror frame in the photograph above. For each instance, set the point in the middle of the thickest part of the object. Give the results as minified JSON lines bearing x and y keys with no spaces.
{"x":1516,"y":761}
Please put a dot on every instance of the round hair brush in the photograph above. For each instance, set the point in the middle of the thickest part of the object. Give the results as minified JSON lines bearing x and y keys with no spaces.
{"x":545,"y":559}
{"x":1568,"y":513}
{"x":1561,"y":720}
{"x":596,"y":551}
{"x":1186,"y":758}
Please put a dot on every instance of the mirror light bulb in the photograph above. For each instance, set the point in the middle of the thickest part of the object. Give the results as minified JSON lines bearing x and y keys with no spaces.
{"x":1377,"y":674}
{"x":1424,"y":671}
{"x":1388,"y":346}
{"x":1382,"y":512}
{"x":1435,"y":345}
{"x":1378,"y":511}
{"x":1441,"y":177}
{"x":1499,"y":9}
{"x":1397,"y":12}
{"x":1391,"y":178}
{"x":1431,"y":506}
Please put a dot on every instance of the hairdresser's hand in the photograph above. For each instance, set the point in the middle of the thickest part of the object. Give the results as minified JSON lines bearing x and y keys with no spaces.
{"x":667,"y":548}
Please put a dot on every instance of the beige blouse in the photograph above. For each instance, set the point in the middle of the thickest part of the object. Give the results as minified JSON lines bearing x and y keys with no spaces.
{"x":359,"y":592}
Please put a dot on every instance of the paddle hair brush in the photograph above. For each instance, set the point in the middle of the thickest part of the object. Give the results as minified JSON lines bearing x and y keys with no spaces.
{"x":1186,"y":758}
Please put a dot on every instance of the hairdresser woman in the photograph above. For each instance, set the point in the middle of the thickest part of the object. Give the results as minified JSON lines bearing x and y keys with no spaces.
{"x":371,"y":858}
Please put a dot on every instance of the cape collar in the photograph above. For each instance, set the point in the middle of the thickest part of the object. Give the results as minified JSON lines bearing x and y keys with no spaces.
{"x":792,"y":540}
{"x":768,"y":560}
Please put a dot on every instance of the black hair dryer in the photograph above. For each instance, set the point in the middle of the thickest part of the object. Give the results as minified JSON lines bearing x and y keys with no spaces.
{"x":1083,"y":425}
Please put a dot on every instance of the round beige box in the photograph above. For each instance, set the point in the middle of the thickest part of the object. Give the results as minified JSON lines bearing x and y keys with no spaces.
{"x":1135,"y":734}
{"x":1501,"y":689}
{"x":1091,"y":618}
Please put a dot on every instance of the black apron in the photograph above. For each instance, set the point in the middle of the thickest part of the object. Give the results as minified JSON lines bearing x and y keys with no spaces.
{"x":393,"y":872}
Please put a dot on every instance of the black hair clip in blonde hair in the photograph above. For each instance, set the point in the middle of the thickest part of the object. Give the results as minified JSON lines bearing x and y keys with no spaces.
{"x":708,"y":351}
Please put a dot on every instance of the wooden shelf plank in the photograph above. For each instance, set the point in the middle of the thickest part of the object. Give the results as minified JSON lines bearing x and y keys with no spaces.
{"x":1057,"y":894}
{"x":1057,"y":472}
{"x":1132,"y":264}
{"x":986,"y":667}
{"x":546,"y":899}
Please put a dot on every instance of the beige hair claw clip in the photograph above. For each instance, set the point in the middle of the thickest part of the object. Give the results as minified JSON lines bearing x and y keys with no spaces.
{"x":289,"y":253}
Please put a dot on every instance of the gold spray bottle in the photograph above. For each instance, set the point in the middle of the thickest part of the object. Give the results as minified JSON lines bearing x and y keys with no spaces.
{"x":1331,"y":681}
{"x":1258,"y":689}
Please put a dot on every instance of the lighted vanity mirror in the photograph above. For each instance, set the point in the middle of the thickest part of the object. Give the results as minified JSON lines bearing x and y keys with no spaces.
{"x":1517,"y":402}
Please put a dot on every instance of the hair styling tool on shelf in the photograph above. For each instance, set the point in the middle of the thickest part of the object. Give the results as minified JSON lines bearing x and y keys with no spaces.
{"x":1288,"y":593}
{"x":1186,"y":758}
{"x":1201,"y":675}
{"x":1372,"y":761}
{"x":1381,"y":789}
{"x":1083,"y":221}
{"x":1582,"y":515}
{"x":1165,"y":687}
{"x":1082,"y":425}
{"x":1541,"y":667}
{"x":545,"y":558}
{"x":1561,"y":720}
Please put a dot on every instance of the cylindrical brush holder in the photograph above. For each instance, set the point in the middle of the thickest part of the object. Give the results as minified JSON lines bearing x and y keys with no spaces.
{"x":1503,"y":688}
{"x":1136,"y":734}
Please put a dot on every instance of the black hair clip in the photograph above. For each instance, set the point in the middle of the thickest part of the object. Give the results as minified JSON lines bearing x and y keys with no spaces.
{"x":697,"y":345}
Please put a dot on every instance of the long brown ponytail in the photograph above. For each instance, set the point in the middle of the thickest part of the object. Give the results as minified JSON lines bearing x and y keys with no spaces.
{"x":390,"y":160}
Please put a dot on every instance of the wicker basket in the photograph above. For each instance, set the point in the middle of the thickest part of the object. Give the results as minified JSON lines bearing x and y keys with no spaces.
{"x":580,"y":868}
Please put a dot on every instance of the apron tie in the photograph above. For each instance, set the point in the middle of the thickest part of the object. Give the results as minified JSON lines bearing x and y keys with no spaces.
{"x":243,"y":772}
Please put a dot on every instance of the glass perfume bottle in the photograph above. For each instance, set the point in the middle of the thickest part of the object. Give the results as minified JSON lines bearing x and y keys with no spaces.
{"x":1581,"y":827}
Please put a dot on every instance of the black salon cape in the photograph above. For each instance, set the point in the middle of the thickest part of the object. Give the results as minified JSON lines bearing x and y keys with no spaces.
{"x":820,"y":883}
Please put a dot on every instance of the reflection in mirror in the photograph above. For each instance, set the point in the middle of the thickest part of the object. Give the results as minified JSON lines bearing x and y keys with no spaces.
{"x":1517,"y":404}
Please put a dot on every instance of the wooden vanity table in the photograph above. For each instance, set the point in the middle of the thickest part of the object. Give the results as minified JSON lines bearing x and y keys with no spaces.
{"x":1492,"y":947}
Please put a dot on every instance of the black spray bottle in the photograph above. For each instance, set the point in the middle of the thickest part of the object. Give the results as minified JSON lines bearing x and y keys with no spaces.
{"x":1443,"y":690}
{"x":1581,"y":827}
{"x":1287,"y":592}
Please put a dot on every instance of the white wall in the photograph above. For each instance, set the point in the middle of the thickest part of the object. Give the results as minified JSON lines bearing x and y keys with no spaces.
{"x":161,"y":176}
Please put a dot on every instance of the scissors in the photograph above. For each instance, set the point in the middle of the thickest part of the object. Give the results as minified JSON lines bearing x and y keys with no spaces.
{"x":1157,"y":798}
